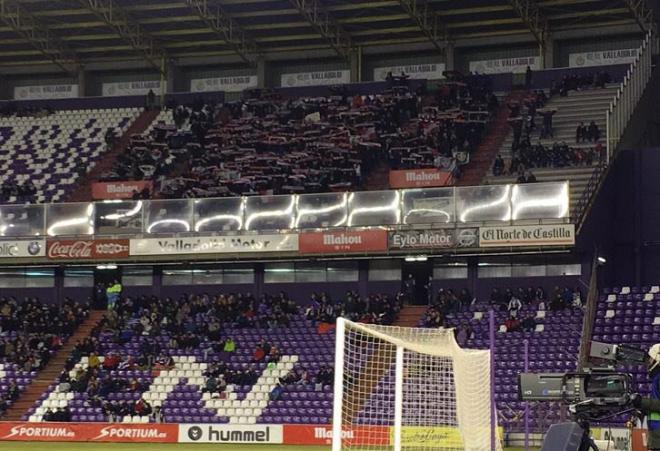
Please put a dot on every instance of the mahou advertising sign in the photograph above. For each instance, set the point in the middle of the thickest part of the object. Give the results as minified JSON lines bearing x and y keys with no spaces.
{"x":119,"y":190}
{"x":419,"y":178}
{"x":87,"y":249}
{"x":341,"y":242}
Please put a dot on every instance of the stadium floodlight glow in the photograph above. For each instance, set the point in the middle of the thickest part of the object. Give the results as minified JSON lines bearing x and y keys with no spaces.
{"x":288,"y":211}
{"x":504,"y":199}
{"x":87,"y":219}
{"x":130,"y":213}
{"x":602,"y":260}
{"x":560,"y":200}
{"x":392,"y":207}
{"x":318,"y":211}
{"x":169,"y":221}
{"x":110,"y":266}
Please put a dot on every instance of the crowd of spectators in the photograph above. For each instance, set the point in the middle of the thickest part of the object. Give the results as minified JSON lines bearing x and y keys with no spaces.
{"x":12,"y":191}
{"x":575,"y":82}
{"x":196,"y":321}
{"x":269,"y":144}
{"x":511,"y":301}
{"x":373,"y":309}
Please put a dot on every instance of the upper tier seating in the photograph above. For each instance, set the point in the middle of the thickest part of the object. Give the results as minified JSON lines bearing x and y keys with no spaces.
{"x":44,"y":154}
{"x":586,"y":105}
{"x":192,"y":331}
{"x":307,"y":145}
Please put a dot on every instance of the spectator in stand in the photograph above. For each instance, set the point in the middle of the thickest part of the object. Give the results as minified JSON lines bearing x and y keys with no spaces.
{"x":512,"y":324}
{"x":515,"y":304}
{"x":498,"y":166}
{"x":547,"y":130}
{"x":157,"y":415}
{"x":528,"y":77}
{"x":581,"y":133}
{"x":593,"y":132}
{"x":528,"y":324}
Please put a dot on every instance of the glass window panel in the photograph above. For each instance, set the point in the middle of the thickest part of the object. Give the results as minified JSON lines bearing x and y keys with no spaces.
{"x":243,"y":274}
{"x":39,"y":278}
{"x":427,"y":206}
{"x":446,"y":271}
{"x":22,"y":220}
{"x":279,"y":273}
{"x":310,"y":272}
{"x":528,"y":271}
{"x":208,"y":276}
{"x":374,"y":208}
{"x":10,"y":278}
{"x":269,"y":212}
{"x":177,"y":277}
{"x":385,"y":270}
{"x":483,"y":203}
{"x":137,"y":276}
{"x":493,"y":270}
{"x":79,"y":277}
{"x":119,"y":216}
{"x":218,"y":215}
{"x":168,"y":216}
{"x":343,"y":271}
{"x":321,"y":210}
{"x":568,"y":269}
{"x":540,"y":200}
{"x":70,"y":219}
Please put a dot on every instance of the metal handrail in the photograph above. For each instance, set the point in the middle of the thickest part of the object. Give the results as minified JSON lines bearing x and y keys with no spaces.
{"x":617,"y":116}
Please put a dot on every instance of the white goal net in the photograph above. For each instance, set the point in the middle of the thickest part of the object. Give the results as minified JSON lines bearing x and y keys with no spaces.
{"x":407,"y":388}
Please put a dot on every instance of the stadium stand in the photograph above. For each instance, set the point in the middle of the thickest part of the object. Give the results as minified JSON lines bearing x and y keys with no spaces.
{"x":32,"y":331}
{"x":175,"y":355}
{"x":278,"y":145}
{"x":45,"y":153}
{"x":630,"y":315}
{"x":551,"y":324}
{"x":586,"y":105}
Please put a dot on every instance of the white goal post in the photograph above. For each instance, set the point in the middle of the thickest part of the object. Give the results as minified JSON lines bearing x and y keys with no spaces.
{"x":400,"y":388}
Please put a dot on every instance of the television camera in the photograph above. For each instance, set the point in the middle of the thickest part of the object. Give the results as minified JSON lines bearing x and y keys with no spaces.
{"x":595,"y":394}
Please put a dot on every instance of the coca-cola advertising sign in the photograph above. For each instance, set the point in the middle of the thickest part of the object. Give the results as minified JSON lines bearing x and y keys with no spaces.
{"x":87,"y":249}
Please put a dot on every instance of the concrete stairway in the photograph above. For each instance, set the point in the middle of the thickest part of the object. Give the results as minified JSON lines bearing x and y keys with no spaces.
{"x":482,"y":159}
{"x":52,"y":370}
{"x":578,"y":106}
{"x":84,"y":191}
{"x":410,"y":315}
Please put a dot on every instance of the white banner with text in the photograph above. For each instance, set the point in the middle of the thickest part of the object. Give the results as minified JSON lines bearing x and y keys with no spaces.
{"x":430,"y":71}
{"x":131,"y":88}
{"x":326,"y":77}
{"x":45,"y":92}
{"x":235,"y":83}
{"x":602,"y":58}
{"x":214,"y":244}
{"x":231,"y":433}
{"x":22,"y":248}
{"x":506,"y":65}
{"x":534,"y":235}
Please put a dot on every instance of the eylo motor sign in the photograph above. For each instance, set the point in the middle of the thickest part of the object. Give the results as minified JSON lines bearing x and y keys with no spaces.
{"x":108,"y":249}
{"x":234,"y":433}
{"x":25,"y":248}
{"x":215,"y":244}
{"x":433,"y":239}
{"x":537,"y":235}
